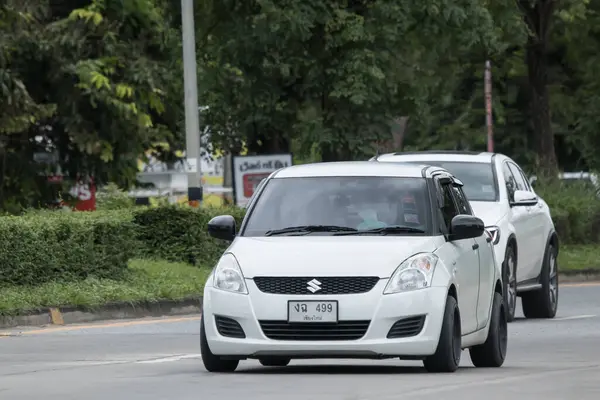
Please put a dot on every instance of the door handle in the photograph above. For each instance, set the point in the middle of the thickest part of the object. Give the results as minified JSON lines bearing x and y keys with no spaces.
{"x":475,"y":246}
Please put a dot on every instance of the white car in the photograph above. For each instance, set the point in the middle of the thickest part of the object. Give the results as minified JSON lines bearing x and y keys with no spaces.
{"x":525,"y":240}
{"x":355,"y":260}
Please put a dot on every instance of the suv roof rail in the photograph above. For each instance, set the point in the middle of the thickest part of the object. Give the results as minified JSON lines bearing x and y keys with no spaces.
{"x":474,"y":153}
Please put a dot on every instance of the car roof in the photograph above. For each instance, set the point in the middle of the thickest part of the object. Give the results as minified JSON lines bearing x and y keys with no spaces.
{"x":437,"y":155}
{"x":355,"y":168}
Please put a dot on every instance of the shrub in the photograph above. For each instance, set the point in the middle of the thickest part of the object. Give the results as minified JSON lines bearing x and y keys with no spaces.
{"x":575,"y":210}
{"x":179,"y":233}
{"x":111,"y":197}
{"x":58,"y":246}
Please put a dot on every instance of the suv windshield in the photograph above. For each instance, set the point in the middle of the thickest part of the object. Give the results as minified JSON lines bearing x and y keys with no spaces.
{"x":341,"y":206}
{"x":477,"y":178}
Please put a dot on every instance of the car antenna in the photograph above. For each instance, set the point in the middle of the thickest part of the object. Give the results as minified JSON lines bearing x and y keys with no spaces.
{"x":376,"y":152}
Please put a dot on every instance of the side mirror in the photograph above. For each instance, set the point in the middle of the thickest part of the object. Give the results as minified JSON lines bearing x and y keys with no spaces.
{"x":524,"y":198}
{"x":222,"y":227}
{"x":466,"y":227}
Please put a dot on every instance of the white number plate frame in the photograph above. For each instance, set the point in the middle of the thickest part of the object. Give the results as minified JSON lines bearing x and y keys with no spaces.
{"x":305,"y":311}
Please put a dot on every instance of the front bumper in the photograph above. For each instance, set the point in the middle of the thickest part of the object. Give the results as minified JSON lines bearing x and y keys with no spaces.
{"x":381,"y":310}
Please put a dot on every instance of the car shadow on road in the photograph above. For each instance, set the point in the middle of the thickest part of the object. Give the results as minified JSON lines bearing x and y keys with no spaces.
{"x":333,"y":369}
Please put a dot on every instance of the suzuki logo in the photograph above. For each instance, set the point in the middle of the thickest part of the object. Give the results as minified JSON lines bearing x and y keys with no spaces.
{"x":314,"y":286}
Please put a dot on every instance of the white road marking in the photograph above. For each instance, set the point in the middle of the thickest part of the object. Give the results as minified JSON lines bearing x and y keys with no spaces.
{"x":169,"y":359}
{"x":574,"y":317}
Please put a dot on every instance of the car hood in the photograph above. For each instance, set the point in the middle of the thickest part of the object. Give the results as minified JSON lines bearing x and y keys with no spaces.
{"x":327,"y":255}
{"x":489,"y":212}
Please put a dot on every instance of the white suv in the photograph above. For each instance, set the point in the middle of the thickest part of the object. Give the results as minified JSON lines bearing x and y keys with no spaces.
{"x":524,"y":236}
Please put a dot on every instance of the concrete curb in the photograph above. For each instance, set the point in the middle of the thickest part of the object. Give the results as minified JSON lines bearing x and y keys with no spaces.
{"x":77,"y":315}
{"x":579,"y":276}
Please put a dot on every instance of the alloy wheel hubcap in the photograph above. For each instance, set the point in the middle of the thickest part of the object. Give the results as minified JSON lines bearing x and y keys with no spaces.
{"x":512,"y":284}
{"x":553,"y":280}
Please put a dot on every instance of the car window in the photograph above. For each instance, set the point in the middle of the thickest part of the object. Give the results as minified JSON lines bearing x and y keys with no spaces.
{"x":355,"y":202}
{"x":461,"y":200}
{"x":519,"y":180}
{"x":509,"y":179}
{"x":528,"y":186}
{"x":449,"y":209}
{"x":477,"y":177}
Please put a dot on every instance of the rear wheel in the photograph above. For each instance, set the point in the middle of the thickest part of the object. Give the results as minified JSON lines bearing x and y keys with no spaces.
{"x":213,"y":363}
{"x":274,"y":362}
{"x":543,"y":303}
{"x":447,"y":355}
{"x":509,"y":278}
{"x":492,"y":353}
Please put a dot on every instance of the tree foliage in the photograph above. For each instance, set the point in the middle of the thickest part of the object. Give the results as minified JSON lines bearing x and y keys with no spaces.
{"x":333,"y":74}
{"x":93,"y":84}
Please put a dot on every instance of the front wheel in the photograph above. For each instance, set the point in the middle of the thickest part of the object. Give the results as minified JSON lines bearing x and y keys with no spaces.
{"x":492,"y":353}
{"x":447,"y":355}
{"x":543,"y":303}
{"x":213,"y":363}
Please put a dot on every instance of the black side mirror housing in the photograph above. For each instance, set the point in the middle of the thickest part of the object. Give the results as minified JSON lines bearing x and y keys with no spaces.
{"x":466,"y":227}
{"x":222,"y":227}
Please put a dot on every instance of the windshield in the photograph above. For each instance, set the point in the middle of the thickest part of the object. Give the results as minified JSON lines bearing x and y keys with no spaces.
{"x":334,"y":205}
{"x":478,"y":178}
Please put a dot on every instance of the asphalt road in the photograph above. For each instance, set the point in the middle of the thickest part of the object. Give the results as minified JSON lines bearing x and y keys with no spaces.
{"x":159,"y":360}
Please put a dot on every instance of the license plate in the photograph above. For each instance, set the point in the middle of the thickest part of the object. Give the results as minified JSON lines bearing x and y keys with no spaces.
{"x":312,"y":311}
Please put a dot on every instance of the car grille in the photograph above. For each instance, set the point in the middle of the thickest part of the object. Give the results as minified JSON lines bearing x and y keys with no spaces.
{"x":328,"y":285}
{"x":343,"y":330}
{"x":229,"y":328}
{"x":407,"y":327}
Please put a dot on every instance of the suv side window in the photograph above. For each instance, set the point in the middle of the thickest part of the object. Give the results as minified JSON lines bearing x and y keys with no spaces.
{"x":449,"y":210}
{"x":520,"y":181}
{"x":509,"y":179}
{"x":515,"y":167}
{"x":461,"y":200}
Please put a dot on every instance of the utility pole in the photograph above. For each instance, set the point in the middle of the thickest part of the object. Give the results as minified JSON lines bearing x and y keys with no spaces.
{"x":488,"y":106}
{"x":190,"y":83}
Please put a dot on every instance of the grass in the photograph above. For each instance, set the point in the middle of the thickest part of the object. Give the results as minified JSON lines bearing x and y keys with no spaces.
{"x":579,"y":257}
{"x":147,"y":281}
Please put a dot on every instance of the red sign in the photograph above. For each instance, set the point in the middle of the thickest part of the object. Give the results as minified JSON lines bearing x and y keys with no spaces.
{"x":85,"y":193}
{"x":251,"y":181}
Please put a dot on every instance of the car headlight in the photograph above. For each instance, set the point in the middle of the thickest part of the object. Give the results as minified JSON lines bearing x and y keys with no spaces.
{"x":228,"y":275}
{"x":414,"y":273}
{"x":494,"y":233}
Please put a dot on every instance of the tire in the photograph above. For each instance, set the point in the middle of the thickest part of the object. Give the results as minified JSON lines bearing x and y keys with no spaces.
{"x":509,"y":279}
{"x":492,"y":353}
{"x":211,"y":362}
{"x":275,"y":362}
{"x":543,"y":303}
{"x":447,"y":355}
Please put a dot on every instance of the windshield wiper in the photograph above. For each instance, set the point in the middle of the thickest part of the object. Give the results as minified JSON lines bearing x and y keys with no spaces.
{"x":385,"y":230}
{"x":310,"y":228}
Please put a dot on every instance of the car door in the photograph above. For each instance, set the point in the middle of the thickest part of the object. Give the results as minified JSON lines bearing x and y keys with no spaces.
{"x":465,"y":264}
{"x":520,"y":218}
{"x":487,"y":262}
{"x":539,"y":225}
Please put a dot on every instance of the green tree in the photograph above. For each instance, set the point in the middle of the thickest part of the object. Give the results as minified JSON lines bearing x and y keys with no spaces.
{"x":333,"y":74}
{"x":95,"y":82}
